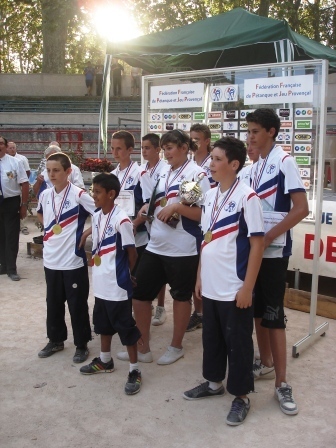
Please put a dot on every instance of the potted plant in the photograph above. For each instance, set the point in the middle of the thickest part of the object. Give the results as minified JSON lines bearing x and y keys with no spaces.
{"x":90,"y":167}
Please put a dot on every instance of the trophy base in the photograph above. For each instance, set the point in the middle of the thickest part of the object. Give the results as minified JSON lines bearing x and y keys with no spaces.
{"x":173,"y":221}
{"x":149,"y":218}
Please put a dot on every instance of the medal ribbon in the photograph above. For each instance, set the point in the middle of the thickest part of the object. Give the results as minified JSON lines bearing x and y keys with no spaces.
{"x":214,"y":214}
{"x":152,"y":171}
{"x":58,"y":215}
{"x":175,"y":177}
{"x":257,"y":178}
{"x":205,"y":160}
{"x":100,"y":242}
{"x":125,"y":175}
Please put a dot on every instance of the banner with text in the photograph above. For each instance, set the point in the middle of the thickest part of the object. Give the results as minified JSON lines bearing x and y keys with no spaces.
{"x":177,"y":96}
{"x":289,"y":89}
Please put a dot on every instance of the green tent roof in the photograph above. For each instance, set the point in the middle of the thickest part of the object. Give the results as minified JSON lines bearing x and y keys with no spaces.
{"x":232,"y":39}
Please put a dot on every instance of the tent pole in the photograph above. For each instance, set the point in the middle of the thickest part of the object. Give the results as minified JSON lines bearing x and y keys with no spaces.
{"x":104,"y":106}
{"x":319,"y":331}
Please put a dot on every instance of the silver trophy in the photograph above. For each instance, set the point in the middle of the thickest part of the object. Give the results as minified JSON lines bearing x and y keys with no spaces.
{"x":190,"y":193}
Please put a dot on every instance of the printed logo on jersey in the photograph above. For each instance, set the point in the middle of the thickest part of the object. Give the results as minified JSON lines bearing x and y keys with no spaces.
{"x":270,"y":169}
{"x":230,"y":206}
{"x":66,"y":204}
{"x":129,"y":180}
{"x":110,"y":230}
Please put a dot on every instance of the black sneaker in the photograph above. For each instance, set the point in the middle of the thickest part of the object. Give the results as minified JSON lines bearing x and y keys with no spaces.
{"x":50,"y":349}
{"x":133,"y":383}
{"x":203,"y":391}
{"x":238,"y":412}
{"x":80,"y":355}
{"x":97,"y":366}
{"x":194,"y":322}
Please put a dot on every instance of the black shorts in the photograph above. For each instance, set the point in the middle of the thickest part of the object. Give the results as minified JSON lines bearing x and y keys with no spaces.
{"x":269,"y":292}
{"x":155,"y":270}
{"x":111,"y":317}
{"x":89,"y":82}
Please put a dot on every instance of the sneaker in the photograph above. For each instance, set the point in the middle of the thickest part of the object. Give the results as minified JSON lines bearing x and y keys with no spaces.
{"x":172,"y":355}
{"x":50,"y":349}
{"x":194,"y":322}
{"x":285,"y":397}
{"x":133,"y":383}
{"x":97,"y":366}
{"x":142,"y":357}
{"x":80,"y":355}
{"x":160,"y":316}
{"x":203,"y":391}
{"x":238,"y":412}
{"x":261,"y":372}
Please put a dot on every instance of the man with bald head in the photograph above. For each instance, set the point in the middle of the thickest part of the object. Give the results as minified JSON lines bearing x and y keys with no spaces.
{"x":12,"y":151}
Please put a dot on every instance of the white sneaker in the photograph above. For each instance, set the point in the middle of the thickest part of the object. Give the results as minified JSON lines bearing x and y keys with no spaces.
{"x":261,"y":372}
{"x":285,"y":397}
{"x":172,"y":355}
{"x":142,"y":357}
{"x":160,"y":316}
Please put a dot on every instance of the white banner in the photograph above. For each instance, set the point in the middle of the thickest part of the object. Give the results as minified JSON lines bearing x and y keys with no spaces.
{"x":289,"y":89}
{"x":179,"y":96}
{"x":303,"y":244}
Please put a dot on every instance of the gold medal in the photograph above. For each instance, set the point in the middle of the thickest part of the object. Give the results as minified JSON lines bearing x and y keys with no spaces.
{"x":97,"y":260}
{"x":208,"y":236}
{"x":163,"y":202}
{"x":57,"y":229}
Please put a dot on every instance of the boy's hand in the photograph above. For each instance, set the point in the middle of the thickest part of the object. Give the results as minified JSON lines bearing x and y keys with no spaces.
{"x":243,"y":298}
{"x":166,"y":213}
{"x":198,"y":288}
{"x":84,"y":237}
{"x":133,"y":280}
{"x":144,"y":209}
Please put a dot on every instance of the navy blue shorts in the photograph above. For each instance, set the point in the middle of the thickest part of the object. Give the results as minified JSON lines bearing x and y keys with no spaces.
{"x":269,"y":292}
{"x":155,"y":270}
{"x":111,"y":317}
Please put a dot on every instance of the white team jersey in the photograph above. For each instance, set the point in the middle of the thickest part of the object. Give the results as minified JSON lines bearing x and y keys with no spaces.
{"x":224,"y":259}
{"x":245,"y":174}
{"x":12,"y":175}
{"x":149,"y":178}
{"x":111,"y":280}
{"x":186,"y":238}
{"x":61,"y":252}
{"x":206,"y":166}
{"x":274,"y":178}
{"x":129,"y":179}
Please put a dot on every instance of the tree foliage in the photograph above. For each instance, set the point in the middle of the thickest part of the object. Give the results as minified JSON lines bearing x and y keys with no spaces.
{"x":57,"y":36}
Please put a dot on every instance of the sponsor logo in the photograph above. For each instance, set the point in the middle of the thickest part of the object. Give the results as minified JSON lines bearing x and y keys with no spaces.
{"x":284,"y":113}
{"x":270,"y":169}
{"x":230,"y":93}
{"x":230,"y":114}
{"x":184,"y":116}
{"x":216,"y":94}
{"x":169,"y":126}
{"x":303,"y":137}
{"x":216,"y":115}
{"x":215,"y":126}
{"x":169,"y":116}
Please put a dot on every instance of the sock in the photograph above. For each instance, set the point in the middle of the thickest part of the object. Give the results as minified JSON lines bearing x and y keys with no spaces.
{"x":175,"y":349}
{"x":213,"y":385}
{"x":246,"y":400}
{"x":105,"y":356}
{"x":133,"y":367}
{"x":199,"y":314}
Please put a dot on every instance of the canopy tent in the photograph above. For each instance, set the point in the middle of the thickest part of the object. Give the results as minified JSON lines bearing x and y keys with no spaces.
{"x":231,"y":39}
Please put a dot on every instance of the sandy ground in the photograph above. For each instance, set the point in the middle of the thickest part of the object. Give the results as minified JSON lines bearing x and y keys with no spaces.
{"x":48,"y":403}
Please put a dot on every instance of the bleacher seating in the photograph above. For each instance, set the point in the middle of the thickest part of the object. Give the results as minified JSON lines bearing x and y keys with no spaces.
{"x":66,"y":105}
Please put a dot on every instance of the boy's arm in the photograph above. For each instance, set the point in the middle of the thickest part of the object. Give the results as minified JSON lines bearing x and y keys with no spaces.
{"x":198,"y":285}
{"x":39,"y":217}
{"x":244,"y":295}
{"x":84,"y":236}
{"x":298,"y":211}
{"x":132,"y":256}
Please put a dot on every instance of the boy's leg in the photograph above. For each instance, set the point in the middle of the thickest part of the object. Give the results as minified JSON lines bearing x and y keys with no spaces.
{"x":56,"y":326}
{"x":264,"y":343}
{"x":181,"y":312}
{"x":143,"y":317}
{"x":214,"y":356}
{"x":278,"y":346}
{"x":76,"y":284}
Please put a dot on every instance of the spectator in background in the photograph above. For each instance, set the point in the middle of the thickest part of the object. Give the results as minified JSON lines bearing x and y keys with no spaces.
{"x":99,"y":79}
{"x":89,"y":73}
{"x":11,"y":150}
{"x":14,"y":190}
{"x":136,"y":79}
{"x":116,"y":70}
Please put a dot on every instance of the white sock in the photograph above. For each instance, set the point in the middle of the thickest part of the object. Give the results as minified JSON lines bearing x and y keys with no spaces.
{"x":133,"y":367}
{"x":175,"y":349}
{"x":199,"y":314}
{"x":105,"y":356}
{"x":213,"y":385}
